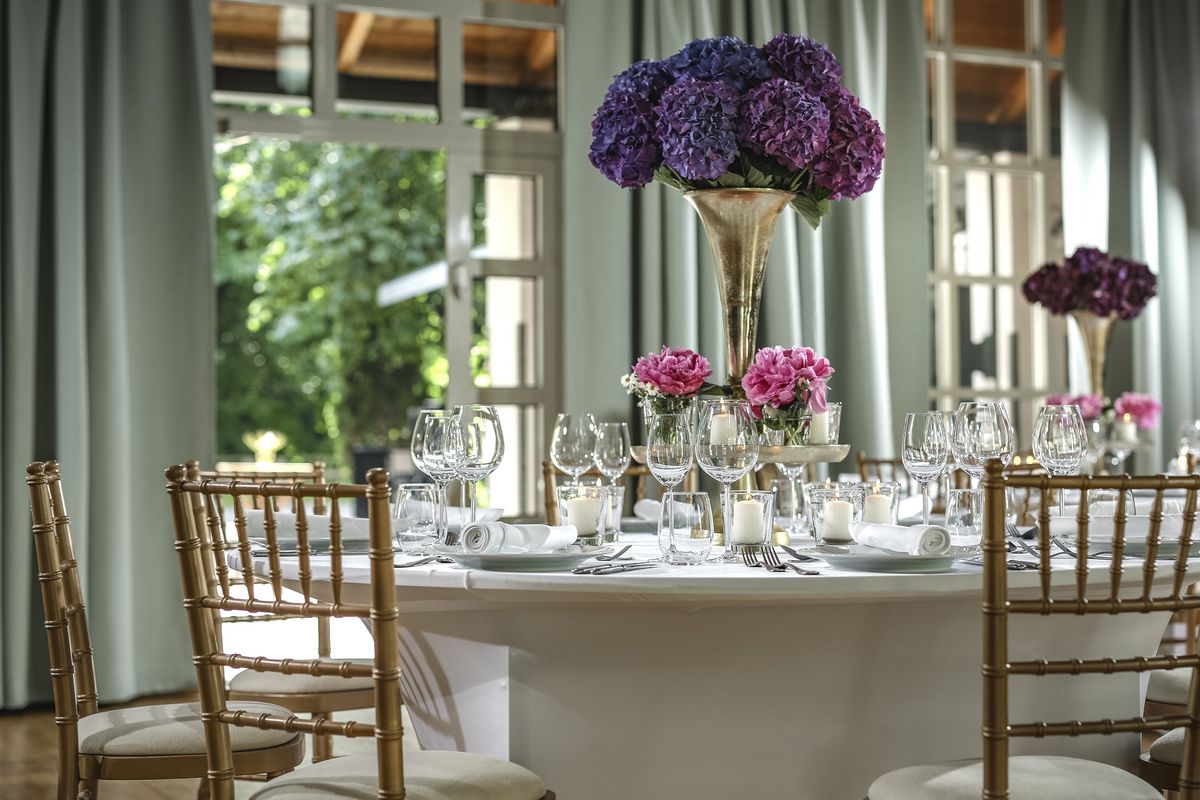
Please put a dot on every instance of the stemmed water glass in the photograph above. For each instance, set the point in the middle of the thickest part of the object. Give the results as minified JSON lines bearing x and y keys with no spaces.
{"x":573,"y":446}
{"x":478,"y":447}
{"x":1059,"y":443}
{"x":726,"y":448}
{"x":613,"y":450}
{"x":926,"y":451}
{"x":433,"y":451}
{"x":978,"y":435}
{"x":669,"y":453}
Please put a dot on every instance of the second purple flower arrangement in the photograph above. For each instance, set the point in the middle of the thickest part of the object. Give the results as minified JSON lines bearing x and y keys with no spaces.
{"x":722,"y":113}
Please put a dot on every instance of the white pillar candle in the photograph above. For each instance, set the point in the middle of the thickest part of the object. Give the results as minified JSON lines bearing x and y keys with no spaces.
{"x":747,"y":522}
{"x":723,"y":429}
{"x":1126,"y":430}
{"x":878,"y":508}
{"x":838,"y":515}
{"x":818,"y":428}
{"x":583,"y":513}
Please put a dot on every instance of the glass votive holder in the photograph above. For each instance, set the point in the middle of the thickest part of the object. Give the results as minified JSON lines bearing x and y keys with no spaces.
{"x":881,"y":501}
{"x":414,"y":517}
{"x":612,"y":527}
{"x":834,"y":507}
{"x":750,"y":522}
{"x":824,"y":427}
{"x":685,"y":528}
{"x":791,"y":512}
{"x":964,"y":517}
{"x":587,"y":508}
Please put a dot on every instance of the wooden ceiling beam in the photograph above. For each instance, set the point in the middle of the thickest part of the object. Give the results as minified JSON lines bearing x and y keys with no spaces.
{"x":356,"y":38}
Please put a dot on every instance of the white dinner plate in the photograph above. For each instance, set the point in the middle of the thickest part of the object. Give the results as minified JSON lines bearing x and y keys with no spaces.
{"x":563,"y":560}
{"x":1139,"y":548}
{"x":861,"y":558}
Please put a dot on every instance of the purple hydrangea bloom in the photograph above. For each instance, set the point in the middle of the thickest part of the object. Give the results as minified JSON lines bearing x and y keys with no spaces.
{"x":853,"y":158}
{"x":806,"y":62}
{"x":646,"y":77}
{"x":623,"y":145}
{"x":782,"y":121}
{"x":725,"y":58}
{"x":696,"y":127}
{"x":1092,"y":280}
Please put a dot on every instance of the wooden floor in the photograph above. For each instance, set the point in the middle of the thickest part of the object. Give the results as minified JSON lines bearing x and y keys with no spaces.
{"x":28,"y":767}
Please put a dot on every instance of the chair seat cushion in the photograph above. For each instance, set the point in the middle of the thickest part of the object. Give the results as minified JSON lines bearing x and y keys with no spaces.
{"x":1168,"y":748}
{"x":1169,"y":686}
{"x":173,"y":729}
{"x":428,"y":775}
{"x":1029,"y":778}
{"x":252,"y":681}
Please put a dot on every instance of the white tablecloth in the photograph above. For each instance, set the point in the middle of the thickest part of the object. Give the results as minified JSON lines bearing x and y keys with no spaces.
{"x":725,"y":681}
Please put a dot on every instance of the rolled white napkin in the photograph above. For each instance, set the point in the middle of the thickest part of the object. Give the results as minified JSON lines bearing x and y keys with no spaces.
{"x":650,"y":510}
{"x":1137,"y":528}
{"x":915,"y":540}
{"x":501,"y":537}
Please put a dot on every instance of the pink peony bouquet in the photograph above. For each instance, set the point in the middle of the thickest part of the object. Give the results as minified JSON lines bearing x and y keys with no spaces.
{"x":1091,"y":406}
{"x":665,"y":381}
{"x":1141,"y":408}
{"x":783,"y":381}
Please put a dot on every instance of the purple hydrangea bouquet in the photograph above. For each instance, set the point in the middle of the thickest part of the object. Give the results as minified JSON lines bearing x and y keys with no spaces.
{"x":1095,"y":289}
{"x":722,"y":113}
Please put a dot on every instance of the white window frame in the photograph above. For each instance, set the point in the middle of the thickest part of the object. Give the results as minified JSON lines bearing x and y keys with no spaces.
{"x":469,"y":151}
{"x":1047,"y":368}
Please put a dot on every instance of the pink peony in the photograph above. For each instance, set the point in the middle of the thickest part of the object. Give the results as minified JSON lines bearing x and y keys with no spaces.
{"x":1141,"y":408}
{"x":1091,"y":406}
{"x":673,"y":371}
{"x":780,"y":375}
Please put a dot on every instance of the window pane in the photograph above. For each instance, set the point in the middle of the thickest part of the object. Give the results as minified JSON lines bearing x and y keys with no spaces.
{"x":505,"y":216}
{"x":991,"y":106}
{"x":992,"y":344}
{"x":262,"y":55}
{"x":930,"y":25}
{"x":1055,"y":128}
{"x":1054,"y":221}
{"x":1054,"y":27}
{"x":514,"y":486}
{"x":506,"y":335}
{"x":511,"y":77}
{"x":387,"y":65}
{"x":931,"y":95}
{"x":990,"y":23}
{"x":993,"y":215}
{"x":309,"y":233}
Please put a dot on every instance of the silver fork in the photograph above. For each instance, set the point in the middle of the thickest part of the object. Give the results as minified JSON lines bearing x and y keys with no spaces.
{"x":770,"y":557}
{"x":617,"y":555}
{"x":420,"y":562}
{"x":750,"y":558}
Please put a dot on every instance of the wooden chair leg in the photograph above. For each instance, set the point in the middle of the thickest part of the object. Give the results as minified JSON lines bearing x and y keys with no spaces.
{"x":322,"y":742}
{"x":89,"y":788}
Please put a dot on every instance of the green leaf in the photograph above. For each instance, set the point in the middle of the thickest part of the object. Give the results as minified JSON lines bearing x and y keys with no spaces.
{"x":731,"y":180}
{"x":670,"y":177}
{"x":812,"y":209}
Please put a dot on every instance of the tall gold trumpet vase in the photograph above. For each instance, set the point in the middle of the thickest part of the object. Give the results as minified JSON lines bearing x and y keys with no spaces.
{"x":1094,"y":330}
{"x":739,"y":224}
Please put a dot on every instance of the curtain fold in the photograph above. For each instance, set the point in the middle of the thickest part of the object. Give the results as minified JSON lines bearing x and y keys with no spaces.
{"x":1131,"y":183}
{"x":856,"y":290}
{"x":107,"y":312}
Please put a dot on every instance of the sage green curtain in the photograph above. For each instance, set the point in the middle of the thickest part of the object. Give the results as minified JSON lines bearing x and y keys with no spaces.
{"x":1131,"y":183}
{"x":107,"y":316}
{"x":855,"y":290}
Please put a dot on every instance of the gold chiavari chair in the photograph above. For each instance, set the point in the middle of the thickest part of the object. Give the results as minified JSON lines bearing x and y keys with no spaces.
{"x":317,"y":695}
{"x":1053,"y":777}
{"x":142,"y":743}
{"x":391,"y":773}
{"x":639,"y":474}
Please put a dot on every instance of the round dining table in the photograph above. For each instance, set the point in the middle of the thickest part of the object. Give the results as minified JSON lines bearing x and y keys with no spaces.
{"x":725,"y":681}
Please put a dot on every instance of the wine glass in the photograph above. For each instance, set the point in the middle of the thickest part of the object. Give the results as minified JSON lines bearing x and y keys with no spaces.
{"x":478,"y":446}
{"x":978,"y":436}
{"x":726,"y":448}
{"x":669,"y":453}
{"x":925,"y":451}
{"x":1060,"y":442}
{"x":433,"y":450}
{"x":573,"y":446}
{"x":613,"y":450}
